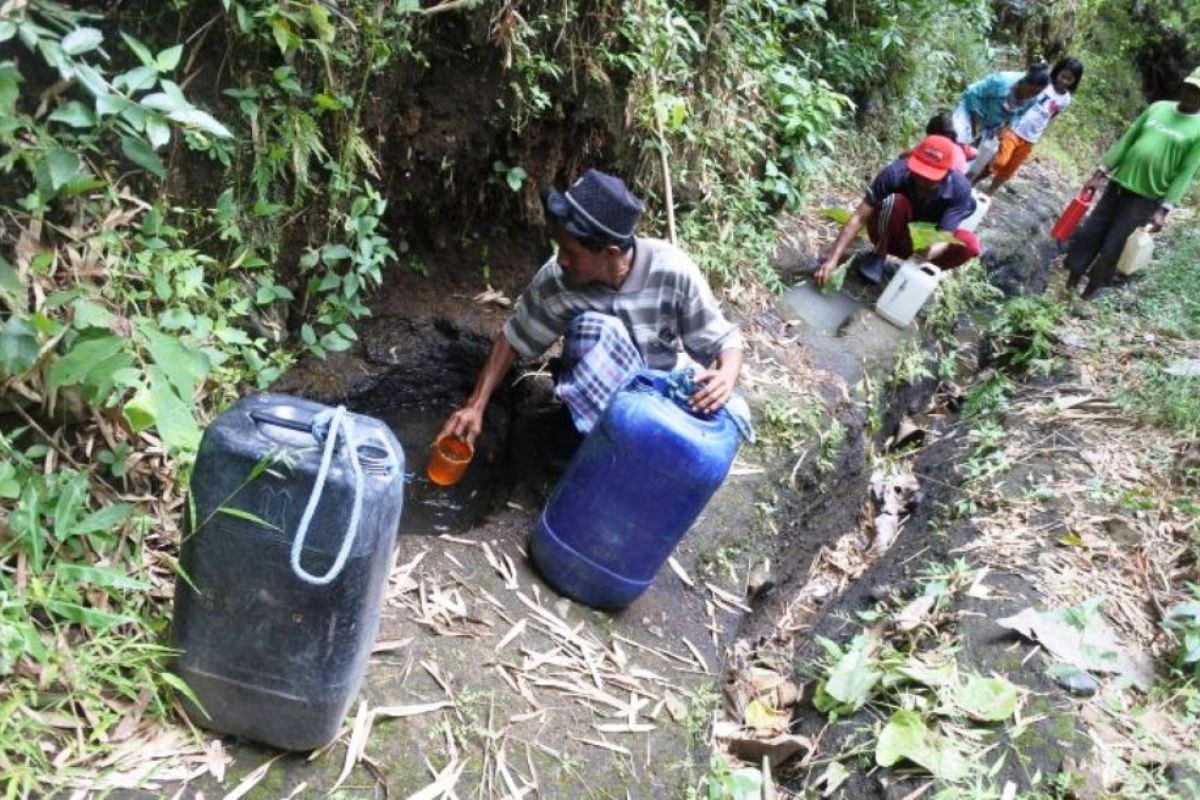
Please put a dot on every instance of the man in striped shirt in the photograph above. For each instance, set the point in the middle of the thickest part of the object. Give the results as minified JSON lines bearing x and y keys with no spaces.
{"x":621,"y":302}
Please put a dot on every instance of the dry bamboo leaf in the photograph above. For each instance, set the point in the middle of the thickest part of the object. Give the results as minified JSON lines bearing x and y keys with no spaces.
{"x":358,"y":741}
{"x":681,"y":572}
{"x":696,"y":654}
{"x":637,"y":727}
{"x":443,"y":784}
{"x":398,"y":712}
{"x":252,"y":780}
{"x":603,"y":745}
{"x":727,"y":597}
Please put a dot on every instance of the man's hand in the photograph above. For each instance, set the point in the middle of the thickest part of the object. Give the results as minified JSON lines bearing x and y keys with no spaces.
{"x":824,"y":271}
{"x":465,"y":424}
{"x":1157,"y":220}
{"x":1097,"y":180}
{"x":717,"y":387}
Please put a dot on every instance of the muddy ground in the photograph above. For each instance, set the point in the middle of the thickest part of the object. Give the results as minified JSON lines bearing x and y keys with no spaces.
{"x":570,"y":702}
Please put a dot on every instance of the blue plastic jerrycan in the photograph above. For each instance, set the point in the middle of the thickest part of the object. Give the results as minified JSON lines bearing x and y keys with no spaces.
{"x":636,"y":485}
{"x":294,"y":512}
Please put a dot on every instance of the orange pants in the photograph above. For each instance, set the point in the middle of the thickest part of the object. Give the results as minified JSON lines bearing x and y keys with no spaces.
{"x":1012,"y":154}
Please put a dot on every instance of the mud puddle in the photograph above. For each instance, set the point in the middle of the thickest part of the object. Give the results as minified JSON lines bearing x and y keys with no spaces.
{"x":429,"y":509}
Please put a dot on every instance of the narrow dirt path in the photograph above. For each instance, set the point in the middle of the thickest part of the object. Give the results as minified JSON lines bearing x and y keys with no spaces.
{"x":503,"y":687}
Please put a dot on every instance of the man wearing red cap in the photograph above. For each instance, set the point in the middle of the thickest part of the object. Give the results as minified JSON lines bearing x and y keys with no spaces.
{"x":921,"y":187}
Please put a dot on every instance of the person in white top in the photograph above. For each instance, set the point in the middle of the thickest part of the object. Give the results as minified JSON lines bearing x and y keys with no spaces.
{"x":1017,"y":140}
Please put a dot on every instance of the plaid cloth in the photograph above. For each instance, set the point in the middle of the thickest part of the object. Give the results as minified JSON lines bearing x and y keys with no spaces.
{"x":598,"y":357}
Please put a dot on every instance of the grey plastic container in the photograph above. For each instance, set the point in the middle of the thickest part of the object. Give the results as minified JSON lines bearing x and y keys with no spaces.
{"x":270,"y":656}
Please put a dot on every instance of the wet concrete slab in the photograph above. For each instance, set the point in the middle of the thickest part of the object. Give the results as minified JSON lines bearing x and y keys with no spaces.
{"x":817,"y":310}
{"x":841,"y":329}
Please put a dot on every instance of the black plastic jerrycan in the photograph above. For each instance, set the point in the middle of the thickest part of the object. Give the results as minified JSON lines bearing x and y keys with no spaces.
{"x":294,"y":513}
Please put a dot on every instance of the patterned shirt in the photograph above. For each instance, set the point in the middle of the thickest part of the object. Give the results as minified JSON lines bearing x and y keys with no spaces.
{"x":664,"y":303}
{"x":1047,"y":105}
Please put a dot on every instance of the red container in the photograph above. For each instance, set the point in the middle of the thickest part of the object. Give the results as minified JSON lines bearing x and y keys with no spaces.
{"x":1074,"y":212}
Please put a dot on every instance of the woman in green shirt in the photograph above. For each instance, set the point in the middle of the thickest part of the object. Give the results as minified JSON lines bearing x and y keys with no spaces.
{"x":1149,"y":169}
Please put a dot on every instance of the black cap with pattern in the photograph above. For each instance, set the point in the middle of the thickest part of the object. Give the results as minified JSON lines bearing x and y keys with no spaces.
{"x":597,"y":207}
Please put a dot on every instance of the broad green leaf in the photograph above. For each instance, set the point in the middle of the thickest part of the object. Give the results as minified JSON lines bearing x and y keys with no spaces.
{"x":140,"y":50}
{"x":110,"y":104}
{"x":139,"y":410}
{"x":81,"y":40}
{"x":515,"y":178}
{"x":89,"y":314}
{"x":933,"y":677}
{"x":11,"y":285}
{"x":91,"y":79}
{"x":987,"y":699}
{"x":168,"y":59}
{"x":334,"y":342}
{"x":75,"y":114}
{"x":839,"y":215}
{"x":141,"y":154}
{"x":852,"y":678}
{"x":925,"y":234}
{"x":176,"y":318}
{"x":62,"y":165}
{"x":18,"y":346}
{"x":88,"y":617}
{"x":135,"y":115}
{"x":175,"y":421}
{"x":103,"y":577}
{"x":135,"y":80}
{"x":157,"y":131}
{"x":83,"y":357}
{"x":247,"y":516}
{"x":834,"y":776}
{"x":906,"y":737}
{"x":7,"y":30}
{"x":104,"y":520}
{"x":183,"y":367}
{"x":195,"y":118}
{"x":166,"y":103}
{"x":335,"y":252}
{"x":10,"y":87}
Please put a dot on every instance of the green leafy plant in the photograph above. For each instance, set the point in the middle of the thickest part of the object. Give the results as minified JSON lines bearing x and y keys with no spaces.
{"x":1183,"y":619}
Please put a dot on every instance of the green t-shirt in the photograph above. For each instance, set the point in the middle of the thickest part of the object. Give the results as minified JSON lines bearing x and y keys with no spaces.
{"x":1159,"y":155}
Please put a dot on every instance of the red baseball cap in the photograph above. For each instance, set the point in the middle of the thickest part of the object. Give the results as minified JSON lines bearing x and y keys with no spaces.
{"x":932,"y":158}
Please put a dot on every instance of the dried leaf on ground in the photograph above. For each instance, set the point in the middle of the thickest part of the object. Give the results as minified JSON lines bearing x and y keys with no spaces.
{"x":1095,"y":647}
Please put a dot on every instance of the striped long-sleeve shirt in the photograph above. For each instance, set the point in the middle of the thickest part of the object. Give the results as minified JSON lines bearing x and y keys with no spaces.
{"x":664,"y":303}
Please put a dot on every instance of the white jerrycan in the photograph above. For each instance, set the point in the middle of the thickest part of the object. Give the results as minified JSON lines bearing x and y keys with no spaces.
{"x":983,"y":202}
{"x":988,"y":148}
{"x":1138,"y":250}
{"x":911,"y":286}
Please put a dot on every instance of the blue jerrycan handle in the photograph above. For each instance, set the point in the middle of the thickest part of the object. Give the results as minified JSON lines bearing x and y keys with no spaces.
{"x":676,"y":386}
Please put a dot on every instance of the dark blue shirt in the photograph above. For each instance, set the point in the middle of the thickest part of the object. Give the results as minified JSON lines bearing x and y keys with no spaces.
{"x":946,"y":207}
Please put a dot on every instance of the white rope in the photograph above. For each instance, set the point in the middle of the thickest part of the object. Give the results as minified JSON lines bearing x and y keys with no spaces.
{"x":339,"y":420}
